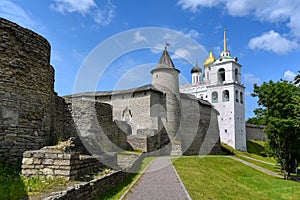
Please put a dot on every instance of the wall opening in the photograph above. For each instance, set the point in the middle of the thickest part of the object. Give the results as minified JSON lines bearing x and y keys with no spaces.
{"x":226,"y":95}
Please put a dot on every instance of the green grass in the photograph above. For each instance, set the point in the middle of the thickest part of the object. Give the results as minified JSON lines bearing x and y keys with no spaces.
{"x":14,"y":186}
{"x":273,"y":168}
{"x":11,"y":184}
{"x":255,"y":149}
{"x":218,"y":177}
{"x":116,"y":192}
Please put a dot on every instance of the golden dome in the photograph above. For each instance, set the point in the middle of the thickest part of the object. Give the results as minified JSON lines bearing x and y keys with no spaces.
{"x":209,"y":60}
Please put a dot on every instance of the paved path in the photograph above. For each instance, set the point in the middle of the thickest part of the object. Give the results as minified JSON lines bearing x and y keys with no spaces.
{"x":257,"y":167}
{"x":159,"y":182}
{"x":268,"y":163}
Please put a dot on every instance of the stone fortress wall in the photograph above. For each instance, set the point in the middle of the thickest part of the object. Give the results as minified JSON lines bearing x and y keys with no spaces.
{"x":33,"y":116}
{"x":26,"y":90}
{"x":31,"y":113}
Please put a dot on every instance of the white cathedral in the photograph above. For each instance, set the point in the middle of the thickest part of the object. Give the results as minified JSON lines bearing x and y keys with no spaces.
{"x":220,"y":84}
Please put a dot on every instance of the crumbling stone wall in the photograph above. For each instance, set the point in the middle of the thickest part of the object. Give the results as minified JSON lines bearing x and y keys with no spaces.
{"x":71,"y":166}
{"x":31,"y":113}
{"x":26,"y":90}
{"x":95,"y":126}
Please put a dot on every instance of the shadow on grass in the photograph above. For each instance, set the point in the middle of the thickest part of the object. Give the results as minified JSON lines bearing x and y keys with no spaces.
{"x":11,"y":183}
{"x":255,"y":148}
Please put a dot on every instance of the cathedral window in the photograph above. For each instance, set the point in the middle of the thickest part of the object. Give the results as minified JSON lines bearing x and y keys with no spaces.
{"x":237,"y":96}
{"x":221,"y":74}
{"x":225,"y":95}
{"x":242,"y":97}
{"x":214,"y":97}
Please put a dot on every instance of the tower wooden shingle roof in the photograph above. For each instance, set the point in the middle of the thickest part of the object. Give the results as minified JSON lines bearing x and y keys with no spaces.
{"x":165,"y":61}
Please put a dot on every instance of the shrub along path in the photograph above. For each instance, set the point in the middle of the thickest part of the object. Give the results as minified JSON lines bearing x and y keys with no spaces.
{"x":160,"y":181}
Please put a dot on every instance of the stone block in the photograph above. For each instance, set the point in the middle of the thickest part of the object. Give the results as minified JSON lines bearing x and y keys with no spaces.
{"x":38,"y":155}
{"x":27,"y":154}
{"x":37,"y":161}
{"x":47,"y":171}
{"x":48,"y":161}
{"x":27,"y":161}
{"x":62,"y":162}
{"x":51,"y":155}
{"x":62,"y":172}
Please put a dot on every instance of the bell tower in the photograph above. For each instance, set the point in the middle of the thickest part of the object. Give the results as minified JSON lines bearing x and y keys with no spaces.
{"x":226,"y":93}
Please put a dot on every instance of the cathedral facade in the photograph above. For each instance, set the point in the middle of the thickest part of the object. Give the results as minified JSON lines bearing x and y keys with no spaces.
{"x":220,"y":84}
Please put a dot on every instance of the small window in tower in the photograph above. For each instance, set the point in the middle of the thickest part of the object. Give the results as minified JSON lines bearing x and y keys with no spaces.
{"x":236,"y":74}
{"x":156,"y":75}
{"x":225,"y":95}
{"x":221,"y":75}
{"x":237,"y":96}
{"x":225,"y":130}
{"x":145,"y":92}
{"x":242,"y":97}
{"x":214,"y":97}
{"x":207,"y":77}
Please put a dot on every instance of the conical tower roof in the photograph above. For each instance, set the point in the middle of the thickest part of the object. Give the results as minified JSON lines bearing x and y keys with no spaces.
{"x":165,"y":60}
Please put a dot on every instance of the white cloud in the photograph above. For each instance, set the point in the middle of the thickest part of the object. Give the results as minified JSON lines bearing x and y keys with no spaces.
{"x":81,"y":6}
{"x":11,"y":11}
{"x":274,"y":11}
{"x":273,"y":41}
{"x":289,"y":75}
{"x":191,"y":33}
{"x":158,"y":48}
{"x":105,"y":15}
{"x":181,"y":53}
{"x":138,"y":37}
{"x":194,"y":5}
{"x":251,"y":78}
{"x":267,"y":10}
{"x":102,"y":16}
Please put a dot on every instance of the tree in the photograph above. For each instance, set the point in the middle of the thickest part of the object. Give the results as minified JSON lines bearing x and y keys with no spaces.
{"x":279,"y":109}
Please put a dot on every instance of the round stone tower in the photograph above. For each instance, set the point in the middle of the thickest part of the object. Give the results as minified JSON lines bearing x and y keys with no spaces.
{"x":165,"y":79}
{"x":26,"y":90}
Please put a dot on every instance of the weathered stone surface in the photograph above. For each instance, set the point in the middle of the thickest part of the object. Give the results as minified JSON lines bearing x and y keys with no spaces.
{"x":62,"y":162}
{"x":27,"y":161}
{"x":48,"y":171}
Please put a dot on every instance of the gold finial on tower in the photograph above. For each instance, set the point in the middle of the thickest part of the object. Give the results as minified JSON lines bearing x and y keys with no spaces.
{"x":225,"y":47}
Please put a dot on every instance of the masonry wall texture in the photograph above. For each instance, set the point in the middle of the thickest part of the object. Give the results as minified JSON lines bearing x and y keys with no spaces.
{"x":71,"y":166}
{"x":31,"y":113}
{"x":254,"y":132}
{"x":26,"y":90}
{"x":199,"y":131}
{"x":96,"y":128}
{"x":94,"y":188}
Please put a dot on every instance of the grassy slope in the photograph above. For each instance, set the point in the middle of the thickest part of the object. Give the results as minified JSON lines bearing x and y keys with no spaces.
{"x":224,"y":178}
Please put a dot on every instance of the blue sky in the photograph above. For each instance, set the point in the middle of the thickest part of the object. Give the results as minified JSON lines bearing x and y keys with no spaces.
{"x":264,"y":35}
